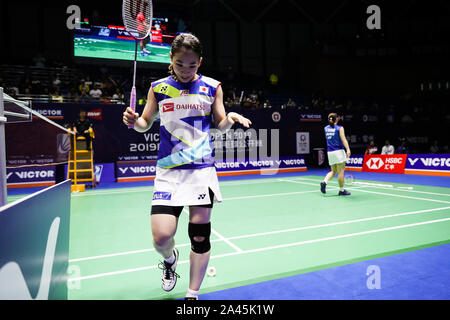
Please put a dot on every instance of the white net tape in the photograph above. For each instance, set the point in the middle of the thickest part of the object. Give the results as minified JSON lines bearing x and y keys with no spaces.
{"x":24,"y":105}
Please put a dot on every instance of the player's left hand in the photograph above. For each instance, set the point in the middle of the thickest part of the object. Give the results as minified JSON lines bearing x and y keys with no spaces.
{"x":232,"y":117}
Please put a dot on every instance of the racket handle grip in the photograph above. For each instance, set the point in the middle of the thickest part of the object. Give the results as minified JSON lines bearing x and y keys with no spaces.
{"x":132,"y":103}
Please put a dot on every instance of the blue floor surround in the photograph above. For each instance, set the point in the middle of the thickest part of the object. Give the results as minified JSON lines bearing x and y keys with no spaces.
{"x":417,"y":275}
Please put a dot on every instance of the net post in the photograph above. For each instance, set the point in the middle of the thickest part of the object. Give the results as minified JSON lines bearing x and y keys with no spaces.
{"x":3,"y":192}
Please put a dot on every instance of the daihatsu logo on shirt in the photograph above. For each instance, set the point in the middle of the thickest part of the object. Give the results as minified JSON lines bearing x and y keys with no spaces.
{"x":168,"y":107}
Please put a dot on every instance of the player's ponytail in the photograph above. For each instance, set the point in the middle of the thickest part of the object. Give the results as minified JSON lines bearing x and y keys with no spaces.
{"x":332,"y":117}
{"x":185,"y":41}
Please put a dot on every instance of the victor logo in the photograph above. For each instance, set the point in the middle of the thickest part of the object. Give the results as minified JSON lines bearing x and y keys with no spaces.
{"x":12,"y":282}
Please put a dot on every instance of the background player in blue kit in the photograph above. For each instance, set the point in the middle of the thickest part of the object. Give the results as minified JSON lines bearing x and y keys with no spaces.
{"x":337,"y":156}
{"x":187,"y":103}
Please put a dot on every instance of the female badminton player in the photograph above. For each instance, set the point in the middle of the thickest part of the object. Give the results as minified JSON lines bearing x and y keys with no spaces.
{"x":337,"y":156}
{"x":187,"y":102}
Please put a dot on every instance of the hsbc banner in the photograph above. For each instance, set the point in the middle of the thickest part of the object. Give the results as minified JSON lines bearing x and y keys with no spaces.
{"x":355,"y":162}
{"x":30,"y":176}
{"x":394,"y":163}
{"x":128,"y":171}
{"x":428,"y":163}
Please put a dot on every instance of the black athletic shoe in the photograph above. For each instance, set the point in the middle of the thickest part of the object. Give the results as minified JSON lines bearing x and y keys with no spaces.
{"x":169,"y":276}
{"x":344,"y":193}
{"x":323,"y":187}
{"x":191,"y":298}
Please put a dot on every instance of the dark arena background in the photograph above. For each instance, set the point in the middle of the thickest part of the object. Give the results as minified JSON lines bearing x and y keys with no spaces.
{"x":382,"y":66}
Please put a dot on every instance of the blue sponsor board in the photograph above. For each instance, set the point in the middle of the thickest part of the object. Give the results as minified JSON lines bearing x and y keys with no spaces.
{"x":428,"y":162}
{"x":294,"y":162}
{"x":129,"y":170}
{"x":355,"y":161}
{"x":30,"y":176}
{"x":146,"y":170}
{"x":103,"y":172}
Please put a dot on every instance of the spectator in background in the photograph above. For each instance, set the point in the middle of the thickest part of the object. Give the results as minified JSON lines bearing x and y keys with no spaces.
{"x":387,"y":148}
{"x":27,"y":94}
{"x":371,"y":148}
{"x":229,"y":102}
{"x":118,"y":96}
{"x":434,"y":147}
{"x":83,"y":86}
{"x":267,"y":104}
{"x":56,"y":96}
{"x":291,"y":104}
{"x":72,"y":95}
{"x":56,"y":81}
{"x":402,"y":148}
{"x":96,"y":93}
{"x":84,"y":97}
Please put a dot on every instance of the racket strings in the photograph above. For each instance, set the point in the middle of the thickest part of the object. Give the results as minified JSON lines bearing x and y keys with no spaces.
{"x":137,"y":17}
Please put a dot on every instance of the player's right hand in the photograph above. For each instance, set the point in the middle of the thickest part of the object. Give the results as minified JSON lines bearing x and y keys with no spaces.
{"x":129,"y":116}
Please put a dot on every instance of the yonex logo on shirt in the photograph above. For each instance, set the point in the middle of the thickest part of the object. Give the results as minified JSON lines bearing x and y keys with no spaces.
{"x":164,"y":88}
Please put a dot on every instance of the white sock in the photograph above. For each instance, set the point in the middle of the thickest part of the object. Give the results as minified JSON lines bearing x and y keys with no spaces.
{"x":170,"y":259}
{"x":341,"y":189}
{"x":191,"y":293}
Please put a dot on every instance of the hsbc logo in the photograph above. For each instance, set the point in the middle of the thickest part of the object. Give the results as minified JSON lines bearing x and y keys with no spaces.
{"x":374,"y":163}
{"x":168,"y":107}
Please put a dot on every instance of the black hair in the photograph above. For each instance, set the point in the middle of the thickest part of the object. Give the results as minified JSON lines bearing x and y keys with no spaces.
{"x":185,"y":41}
{"x":332,"y":117}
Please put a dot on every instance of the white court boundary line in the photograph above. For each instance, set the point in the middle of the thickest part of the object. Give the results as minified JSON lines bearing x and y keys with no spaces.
{"x":374,"y":192}
{"x":270,"y":233}
{"x":387,"y":188}
{"x":266,"y":248}
{"x":150,"y":188}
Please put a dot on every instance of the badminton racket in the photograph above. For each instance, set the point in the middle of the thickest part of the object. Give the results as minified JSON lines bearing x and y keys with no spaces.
{"x":137,"y":18}
{"x":349,"y":179}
